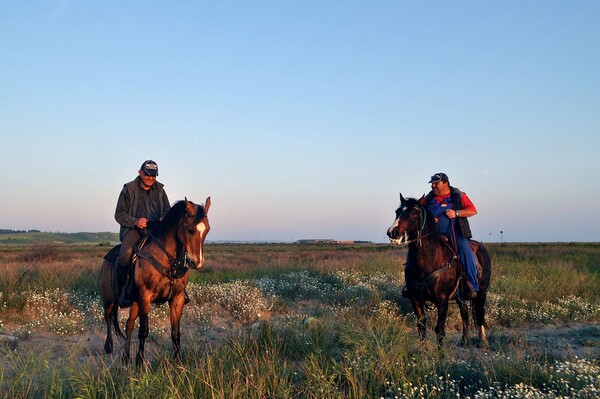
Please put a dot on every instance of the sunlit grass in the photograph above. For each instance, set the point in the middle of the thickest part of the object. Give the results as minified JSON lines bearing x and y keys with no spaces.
{"x":303,"y":321}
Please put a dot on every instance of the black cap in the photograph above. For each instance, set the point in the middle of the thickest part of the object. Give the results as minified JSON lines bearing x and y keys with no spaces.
{"x":439,"y":177}
{"x":150,"y":168}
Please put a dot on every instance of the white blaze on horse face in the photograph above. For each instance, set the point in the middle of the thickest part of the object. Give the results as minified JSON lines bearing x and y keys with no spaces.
{"x":202,"y":228}
{"x":393,"y":226}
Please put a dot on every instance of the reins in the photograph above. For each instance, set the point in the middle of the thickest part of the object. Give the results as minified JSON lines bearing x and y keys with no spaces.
{"x":430,"y":278}
{"x":420,"y":234}
{"x":177,"y":266}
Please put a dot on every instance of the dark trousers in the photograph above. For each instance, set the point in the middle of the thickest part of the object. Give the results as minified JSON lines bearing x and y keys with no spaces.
{"x":127,"y":245}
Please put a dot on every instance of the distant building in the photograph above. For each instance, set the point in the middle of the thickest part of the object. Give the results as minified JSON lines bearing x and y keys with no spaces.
{"x":331,"y":241}
{"x":316,"y":241}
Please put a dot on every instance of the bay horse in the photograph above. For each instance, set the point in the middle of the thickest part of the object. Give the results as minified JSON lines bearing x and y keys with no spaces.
{"x":433,"y":271}
{"x":160,"y":273}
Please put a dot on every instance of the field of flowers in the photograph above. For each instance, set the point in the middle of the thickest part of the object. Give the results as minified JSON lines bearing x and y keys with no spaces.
{"x":304,"y":321}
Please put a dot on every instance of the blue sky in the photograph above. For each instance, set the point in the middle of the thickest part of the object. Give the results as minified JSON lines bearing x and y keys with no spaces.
{"x":303,"y":119}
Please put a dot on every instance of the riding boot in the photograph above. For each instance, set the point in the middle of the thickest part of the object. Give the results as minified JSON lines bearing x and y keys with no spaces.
{"x":186,"y":299}
{"x":123,"y":295}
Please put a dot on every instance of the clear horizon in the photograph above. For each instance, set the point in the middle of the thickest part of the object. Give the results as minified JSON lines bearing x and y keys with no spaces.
{"x":303,"y":120}
{"x":225,"y":241}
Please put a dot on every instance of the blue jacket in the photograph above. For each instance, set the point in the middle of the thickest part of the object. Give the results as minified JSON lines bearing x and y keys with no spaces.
{"x":455,"y":198}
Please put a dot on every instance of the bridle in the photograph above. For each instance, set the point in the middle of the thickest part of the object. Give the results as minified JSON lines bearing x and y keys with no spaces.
{"x":178,"y":265}
{"x":432,"y":277}
{"x":422,"y":221}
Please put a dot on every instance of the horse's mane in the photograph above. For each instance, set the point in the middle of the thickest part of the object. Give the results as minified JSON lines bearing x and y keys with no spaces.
{"x":172,"y":218}
{"x":429,"y":218}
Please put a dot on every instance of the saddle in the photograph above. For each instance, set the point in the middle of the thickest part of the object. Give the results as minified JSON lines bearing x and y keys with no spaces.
{"x":474,"y":247}
{"x":113,"y":254}
{"x":463,"y":281}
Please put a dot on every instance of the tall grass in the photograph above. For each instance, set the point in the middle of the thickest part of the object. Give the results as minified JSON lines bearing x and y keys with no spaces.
{"x":305,"y":321}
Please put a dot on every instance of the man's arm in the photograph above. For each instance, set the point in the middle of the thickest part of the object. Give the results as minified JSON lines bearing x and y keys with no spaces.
{"x":166,"y":204}
{"x":121,"y":215}
{"x":466,"y":209}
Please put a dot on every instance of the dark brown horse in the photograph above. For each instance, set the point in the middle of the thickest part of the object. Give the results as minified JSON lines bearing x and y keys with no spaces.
{"x":434,"y":273}
{"x":160,"y":275}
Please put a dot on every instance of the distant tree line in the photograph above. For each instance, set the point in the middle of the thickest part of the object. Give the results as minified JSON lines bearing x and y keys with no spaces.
{"x":11,"y":231}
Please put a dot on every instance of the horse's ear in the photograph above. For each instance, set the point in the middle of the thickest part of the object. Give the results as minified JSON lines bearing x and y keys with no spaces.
{"x":206,"y":204}
{"x":402,"y":198}
{"x":422,"y":200}
{"x":190,"y":208}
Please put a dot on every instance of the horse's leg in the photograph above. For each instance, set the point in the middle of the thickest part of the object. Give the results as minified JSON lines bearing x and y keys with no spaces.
{"x":479,"y":301}
{"x":440,"y":327}
{"x":479,"y":316}
{"x":464,"y":315}
{"x":133,"y":314}
{"x":144,"y":306}
{"x":418,"y":307}
{"x":109,"y":310}
{"x":106,"y":288}
{"x":176,"y":306}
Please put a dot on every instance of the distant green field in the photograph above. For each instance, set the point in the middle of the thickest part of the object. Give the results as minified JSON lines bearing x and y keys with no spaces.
{"x":65,"y":238}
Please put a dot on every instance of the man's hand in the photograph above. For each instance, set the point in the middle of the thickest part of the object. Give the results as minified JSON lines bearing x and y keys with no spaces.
{"x":141,"y":223}
{"x":450,"y":213}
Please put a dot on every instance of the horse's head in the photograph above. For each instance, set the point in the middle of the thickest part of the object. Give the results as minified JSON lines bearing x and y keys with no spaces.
{"x":410,"y":219}
{"x":193,"y":231}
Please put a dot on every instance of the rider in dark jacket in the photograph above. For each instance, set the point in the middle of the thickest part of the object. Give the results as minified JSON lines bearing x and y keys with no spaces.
{"x":142,"y":202}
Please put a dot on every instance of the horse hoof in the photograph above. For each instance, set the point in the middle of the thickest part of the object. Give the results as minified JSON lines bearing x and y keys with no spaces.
{"x":125,"y":359}
{"x":139,"y":361}
{"x":108,"y":348}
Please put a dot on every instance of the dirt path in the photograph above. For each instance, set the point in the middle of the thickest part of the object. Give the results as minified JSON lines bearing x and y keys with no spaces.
{"x":562,"y":341}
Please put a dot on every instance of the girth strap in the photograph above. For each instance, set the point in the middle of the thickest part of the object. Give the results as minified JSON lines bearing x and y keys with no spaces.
{"x":157,"y":265}
{"x":434,"y":276}
{"x":178,"y":267}
{"x":177,"y":270}
{"x":430,"y":278}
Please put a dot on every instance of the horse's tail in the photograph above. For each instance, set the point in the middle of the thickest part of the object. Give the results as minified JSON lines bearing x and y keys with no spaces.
{"x":486,"y":264}
{"x":107,"y":290}
{"x":115,"y":321}
{"x":478,"y":304}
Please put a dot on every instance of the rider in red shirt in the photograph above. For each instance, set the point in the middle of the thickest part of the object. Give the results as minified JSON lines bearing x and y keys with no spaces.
{"x":451,"y":208}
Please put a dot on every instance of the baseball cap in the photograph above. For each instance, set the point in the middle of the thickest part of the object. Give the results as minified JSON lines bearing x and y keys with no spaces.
{"x":149,"y":168}
{"x":439,"y":177}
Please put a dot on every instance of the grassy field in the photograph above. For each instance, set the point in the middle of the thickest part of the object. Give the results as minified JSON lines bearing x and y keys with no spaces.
{"x":303,"y":321}
{"x":38,"y":238}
